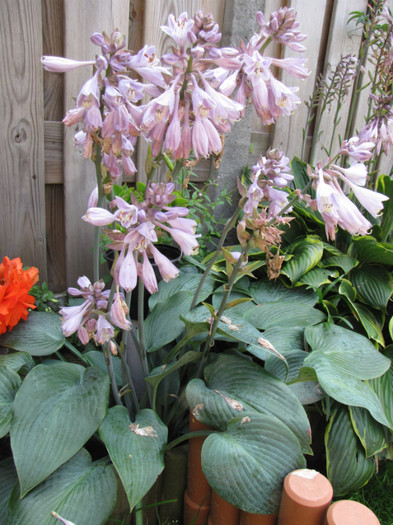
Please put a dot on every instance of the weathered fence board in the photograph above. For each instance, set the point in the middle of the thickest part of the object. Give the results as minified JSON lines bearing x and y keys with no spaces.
{"x":79,"y":174}
{"x":22,"y":202}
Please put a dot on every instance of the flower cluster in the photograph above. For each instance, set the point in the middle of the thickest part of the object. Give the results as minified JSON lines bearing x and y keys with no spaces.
{"x":197,"y":92}
{"x":15,"y":284}
{"x":332,"y":202}
{"x":90,"y":319}
{"x":272,"y":170}
{"x":139,"y":227}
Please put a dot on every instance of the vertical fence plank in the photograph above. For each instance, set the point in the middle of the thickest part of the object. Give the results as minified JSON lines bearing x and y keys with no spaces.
{"x":287,"y":133}
{"x":79,"y":174}
{"x":22,"y":202}
{"x":53,"y":44}
{"x":344,"y":39}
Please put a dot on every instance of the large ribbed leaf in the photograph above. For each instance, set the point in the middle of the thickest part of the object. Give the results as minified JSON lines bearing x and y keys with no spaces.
{"x":306,"y":254}
{"x":277,"y":368}
{"x":317,"y":277}
{"x":383,"y":386}
{"x":17,"y":361}
{"x":348,"y":469}
{"x":8,"y":480}
{"x":366,"y":249}
{"x":265,"y":316}
{"x":185,"y":282}
{"x":232,"y":379}
{"x":136,"y":449}
{"x":371,"y":434}
{"x":56,"y":410}
{"x":40,"y":334}
{"x":163,"y":324}
{"x":9,"y":385}
{"x":246,"y":464}
{"x":265,"y":291}
{"x":343,"y":360}
{"x":342,"y":261}
{"x":80,"y":491}
{"x":373,"y":284}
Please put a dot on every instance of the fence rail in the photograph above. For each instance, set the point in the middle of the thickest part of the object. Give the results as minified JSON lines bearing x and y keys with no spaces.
{"x":45,"y":184}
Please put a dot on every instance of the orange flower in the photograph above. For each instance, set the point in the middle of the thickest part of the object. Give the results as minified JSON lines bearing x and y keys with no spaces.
{"x":15,"y":283}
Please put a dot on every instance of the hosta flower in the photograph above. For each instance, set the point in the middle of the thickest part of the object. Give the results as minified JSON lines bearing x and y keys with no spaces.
{"x":15,"y":284}
{"x":89,"y":319}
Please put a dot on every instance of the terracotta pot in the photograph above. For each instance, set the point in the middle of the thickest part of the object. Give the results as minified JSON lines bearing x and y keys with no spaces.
{"x":246,"y":518}
{"x":305,"y":498}
{"x":198,"y":493}
{"x":222,"y":512}
{"x":346,"y":512}
{"x":194,"y":513}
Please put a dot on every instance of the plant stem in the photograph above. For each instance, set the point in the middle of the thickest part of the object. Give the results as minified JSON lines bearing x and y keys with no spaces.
{"x":109,"y":364}
{"x":97,"y":230}
{"x":186,"y":437}
{"x":138,"y":513}
{"x":227,"y":228}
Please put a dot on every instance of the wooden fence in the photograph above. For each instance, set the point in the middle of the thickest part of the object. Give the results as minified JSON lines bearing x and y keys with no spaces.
{"x":44,"y":182}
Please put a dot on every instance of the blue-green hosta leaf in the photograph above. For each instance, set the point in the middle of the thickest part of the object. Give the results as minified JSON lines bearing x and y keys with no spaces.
{"x":269,"y":315}
{"x":39,"y":335}
{"x":97,"y":358}
{"x":373,"y":284}
{"x":136,"y":449}
{"x":233,"y":327}
{"x":17,"y":361}
{"x":371,"y":434}
{"x":317,"y":277}
{"x":8,"y":480}
{"x":254,"y":452}
{"x":238,"y":387}
{"x":383,"y":386}
{"x":276,"y":367}
{"x":368,"y":250}
{"x":185,"y":282}
{"x":285,"y":339}
{"x":163,"y":325}
{"x":348,"y":469}
{"x":343,"y":360}
{"x":265,"y":291}
{"x":80,"y":491}
{"x":306,"y":254}
{"x":56,"y":410}
{"x":343,"y":261}
{"x":9,"y":385}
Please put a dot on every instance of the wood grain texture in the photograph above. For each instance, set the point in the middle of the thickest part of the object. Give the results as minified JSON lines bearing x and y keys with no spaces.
{"x":79,"y":174}
{"x":287,"y":133}
{"x":54,"y":137}
{"x":55,"y":231}
{"x":22,"y":201}
{"x":344,"y":39}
